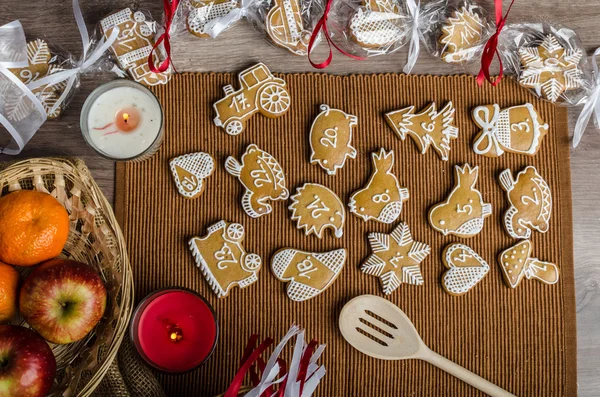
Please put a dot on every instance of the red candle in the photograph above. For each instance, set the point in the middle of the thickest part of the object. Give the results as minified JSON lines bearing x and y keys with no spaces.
{"x":174,"y":330}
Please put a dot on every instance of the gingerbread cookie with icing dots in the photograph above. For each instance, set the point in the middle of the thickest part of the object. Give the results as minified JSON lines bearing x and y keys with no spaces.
{"x":461,"y":35}
{"x":463,"y":212}
{"x":381,"y":199}
{"x":262,"y":177}
{"x":223,"y":260}
{"x":189,"y":172}
{"x":285,"y":27}
{"x":516,"y":262}
{"x":465,"y":269}
{"x":308,"y":273}
{"x":316,"y":208}
{"x":203,"y":13}
{"x":377,"y":24}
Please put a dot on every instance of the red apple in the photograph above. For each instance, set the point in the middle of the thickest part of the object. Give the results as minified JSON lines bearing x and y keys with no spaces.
{"x":63,"y":300}
{"x":27,"y":365}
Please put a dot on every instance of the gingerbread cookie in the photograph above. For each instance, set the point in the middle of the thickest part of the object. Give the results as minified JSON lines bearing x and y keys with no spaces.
{"x":550,"y":69}
{"x":530,"y":202}
{"x":377,"y":24}
{"x":38,"y":60}
{"x":285,"y":27}
{"x":463,"y":212}
{"x":316,"y":208}
{"x":189,"y":172}
{"x":308,"y":273}
{"x":260,"y":92}
{"x":518,"y":129}
{"x":429,"y":127}
{"x":465,"y":269}
{"x":461,"y":35}
{"x":222,"y":258}
{"x":203,"y":13}
{"x":396,"y":258}
{"x":133,"y":45}
{"x":331,"y":139}
{"x":382,"y":198}
{"x":516,"y":263}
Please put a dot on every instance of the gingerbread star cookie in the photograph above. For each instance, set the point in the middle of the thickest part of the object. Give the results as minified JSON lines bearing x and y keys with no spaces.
{"x":285,"y":27}
{"x":189,"y":172}
{"x":396,"y":258}
{"x":202,"y":13}
{"x":465,"y":269}
{"x":377,"y":24}
{"x":316,"y":208}
{"x":516,"y":262}
{"x":461,"y":35}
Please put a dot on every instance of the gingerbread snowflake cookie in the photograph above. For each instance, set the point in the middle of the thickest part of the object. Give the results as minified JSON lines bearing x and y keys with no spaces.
{"x":189,"y":172}
{"x":516,"y":262}
{"x":461,"y":35}
{"x":316,"y":208}
{"x":465,"y":269}
{"x":377,"y":24}
{"x":204,"y":13}
{"x":285,"y":27}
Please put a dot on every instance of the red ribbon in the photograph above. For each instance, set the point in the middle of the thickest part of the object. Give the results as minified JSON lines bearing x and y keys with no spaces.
{"x":491,"y":47}
{"x":247,"y":362}
{"x":170,"y":8}
{"x":304,"y":361}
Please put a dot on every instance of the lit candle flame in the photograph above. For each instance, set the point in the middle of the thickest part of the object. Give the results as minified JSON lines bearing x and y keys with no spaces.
{"x":125,"y":117}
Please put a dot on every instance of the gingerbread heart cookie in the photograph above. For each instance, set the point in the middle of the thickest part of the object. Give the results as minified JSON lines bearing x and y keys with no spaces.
{"x":189,"y":172}
{"x":285,"y":27}
{"x":461,"y":35}
{"x":465,"y":269}
{"x":316,"y":208}
{"x":204,"y":13}
{"x":377,"y":24}
{"x":516,"y":262}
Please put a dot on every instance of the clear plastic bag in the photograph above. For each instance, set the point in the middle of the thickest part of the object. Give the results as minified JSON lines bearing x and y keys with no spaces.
{"x":206,"y":18}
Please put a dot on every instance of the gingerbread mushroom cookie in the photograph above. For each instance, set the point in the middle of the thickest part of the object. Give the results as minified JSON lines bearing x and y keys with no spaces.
{"x":331,"y":139}
{"x":516,"y":262}
{"x":308,"y":273}
{"x":223,"y":260}
{"x":285,"y":27}
{"x":316,"y":208}
{"x":203,"y":13}
{"x":262,"y":177}
{"x":377,"y":24}
{"x":465,"y":269}
{"x":382,"y":198}
{"x":189,"y":172}
{"x":429,"y":127}
{"x":463,"y":212}
{"x":461,"y":35}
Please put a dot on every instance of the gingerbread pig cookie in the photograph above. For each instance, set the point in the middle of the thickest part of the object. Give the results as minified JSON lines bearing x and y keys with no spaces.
{"x":518,"y":129}
{"x":377,"y":24}
{"x":285,"y":27}
{"x":189,"y":172}
{"x":382,"y":198}
{"x":223,"y":260}
{"x":308,"y":273}
{"x":262,"y":177}
{"x":516,"y":262}
{"x":465,"y":269}
{"x":396,"y":258}
{"x":461,"y":35}
{"x":429,"y":127}
{"x":463,"y":212}
{"x":260,"y":92}
{"x":204,"y":13}
{"x":530,"y":202}
{"x":316,"y":208}
{"x":331,"y":139}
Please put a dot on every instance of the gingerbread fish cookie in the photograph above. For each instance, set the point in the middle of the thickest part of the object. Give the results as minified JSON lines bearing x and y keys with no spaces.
{"x":331,"y":139}
{"x":465,"y":269}
{"x":316,"y":208}
{"x":461,"y":35}
{"x":518,"y":129}
{"x":530,"y":202}
{"x":382,"y":198}
{"x":203,"y":14}
{"x":223,"y":260}
{"x":260,"y":92}
{"x":285,"y":27}
{"x":463,"y":212}
{"x":429,"y":127}
{"x":189,"y":172}
{"x":516,"y":262}
{"x":377,"y":24}
{"x":262,"y":177}
{"x":308,"y":273}
{"x":396,"y":258}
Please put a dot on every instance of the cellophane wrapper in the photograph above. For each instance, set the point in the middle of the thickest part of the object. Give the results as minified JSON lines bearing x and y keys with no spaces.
{"x":205,"y":19}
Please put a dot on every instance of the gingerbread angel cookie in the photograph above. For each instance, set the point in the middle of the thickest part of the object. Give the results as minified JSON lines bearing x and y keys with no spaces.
{"x":516,"y":262}
{"x":262,"y":177}
{"x":377,"y":24}
{"x":463,"y":212}
{"x":189,"y":172}
{"x":530,"y":202}
{"x":285,"y":27}
{"x":204,"y":13}
{"x":308,"y":273}
{"x":518,"y":129}
{"x":382,"y":198}
{"x":223,"y":260}
{"x":465,"y":269}
{"x":316,"y":208}
{"x":331,"y":139}
{"x":429,"y":127}
{"x":461,"y":35}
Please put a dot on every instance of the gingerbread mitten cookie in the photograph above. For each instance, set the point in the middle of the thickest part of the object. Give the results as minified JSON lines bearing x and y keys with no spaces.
{"x":316,"y":208}
{"x":285,"y":27}
{"x":377,"y":24}
{"x":189,"y":172}
{"x":465,"y":269}
{"x":461,"y":35}
{"x":516,"y":263}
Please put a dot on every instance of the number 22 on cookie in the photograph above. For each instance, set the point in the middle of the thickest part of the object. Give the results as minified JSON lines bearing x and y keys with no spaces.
{"x":305,"y":268}
{"x":225,"y":257}
{"x":317,"y":207}
{"x":260,"y":176}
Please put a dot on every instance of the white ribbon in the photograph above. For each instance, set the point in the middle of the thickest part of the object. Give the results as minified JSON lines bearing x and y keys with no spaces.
{"x":415,"y":42}
{"x":488,"y":127}
{"x":13,"y":46}
{"x":591,"y":107}
{"x":216,"y":26}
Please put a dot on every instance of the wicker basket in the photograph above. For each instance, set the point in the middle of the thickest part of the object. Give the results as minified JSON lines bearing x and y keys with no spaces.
{"x":96,"y":239}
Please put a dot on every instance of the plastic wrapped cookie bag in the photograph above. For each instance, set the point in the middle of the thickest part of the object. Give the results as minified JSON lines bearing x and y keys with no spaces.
{"x":206,"y":18}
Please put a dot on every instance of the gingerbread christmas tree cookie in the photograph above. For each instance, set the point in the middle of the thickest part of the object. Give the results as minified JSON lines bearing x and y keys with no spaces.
{"x":465,"y":269}
{"x":377,"y":24}
{"x":316,"y":208}
{"x":516,"y":262}
{"x":189,"y":172}
{"x":461,"y":35}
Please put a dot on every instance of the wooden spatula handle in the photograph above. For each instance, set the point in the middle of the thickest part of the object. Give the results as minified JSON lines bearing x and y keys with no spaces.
{"x":464,"y":374}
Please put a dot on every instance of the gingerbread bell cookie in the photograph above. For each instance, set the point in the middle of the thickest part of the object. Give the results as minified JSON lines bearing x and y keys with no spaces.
{"x":316,"y":208}
{"x":465,"y":269}
{"x":262,"y":177}
{"x":189,"y":172}
{"x":260,"y":92}
{"x":377,"y":24}
{"x":516,"y":262}
{"x":223,"y":260}
{"x":308,"y":273}
{"x":429,"y":127}
{"x":518,"y":129}
{"x":530,"y":202}
{"x":331,"y":139}
{"x":204,"y":13}
{"x":381,"y":199}
{"x":463,"y":212}
{"x":461,"y":35}
{"x":396,"y":258}
{"x":285,"y":26}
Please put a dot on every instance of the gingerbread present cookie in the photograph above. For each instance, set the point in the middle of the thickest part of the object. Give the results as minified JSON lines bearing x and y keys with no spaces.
{"x":285,"y":27}
{"x":465,"y":269}
{"x":316,"y":208}
{"x":189,"y":172}
{"x":205,"y":12}
{"x":516,"y":262}
{"x":377,"y":24}
{"x":461,"y":35}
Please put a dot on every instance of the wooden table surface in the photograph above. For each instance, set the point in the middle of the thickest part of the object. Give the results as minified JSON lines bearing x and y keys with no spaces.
{"x":243,"y":46}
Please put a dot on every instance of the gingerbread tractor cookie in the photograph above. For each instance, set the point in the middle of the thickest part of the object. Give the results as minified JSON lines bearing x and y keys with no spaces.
{"x":461,"y":35}
{"x":262,"y":177}
{"x":382,"y":198}
{"x":223,"y":260}
{"x":308,"y":273}
{"x":331,"y":139}
{"x":530,"y":202}
{"x":260,"y":92}
{"x":463,"y":212}
{"x":516,"y":263}
{"x":203,"y":13}
{"x":316,"y":208}
{"x":429,"y":127}
{"x":465,"y":269}
{"x":189,"y":172}
{"x":285,"y":27}
{"x":518,"y":129}
{"x":376,"y":24}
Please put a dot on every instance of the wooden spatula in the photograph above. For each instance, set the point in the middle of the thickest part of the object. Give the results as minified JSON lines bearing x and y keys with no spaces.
{"x":378,"y":328}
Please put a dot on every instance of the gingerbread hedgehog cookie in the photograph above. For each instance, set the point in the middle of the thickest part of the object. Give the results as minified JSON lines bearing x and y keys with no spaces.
{"x":461,"y":35}
{"x":316,"y":208}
